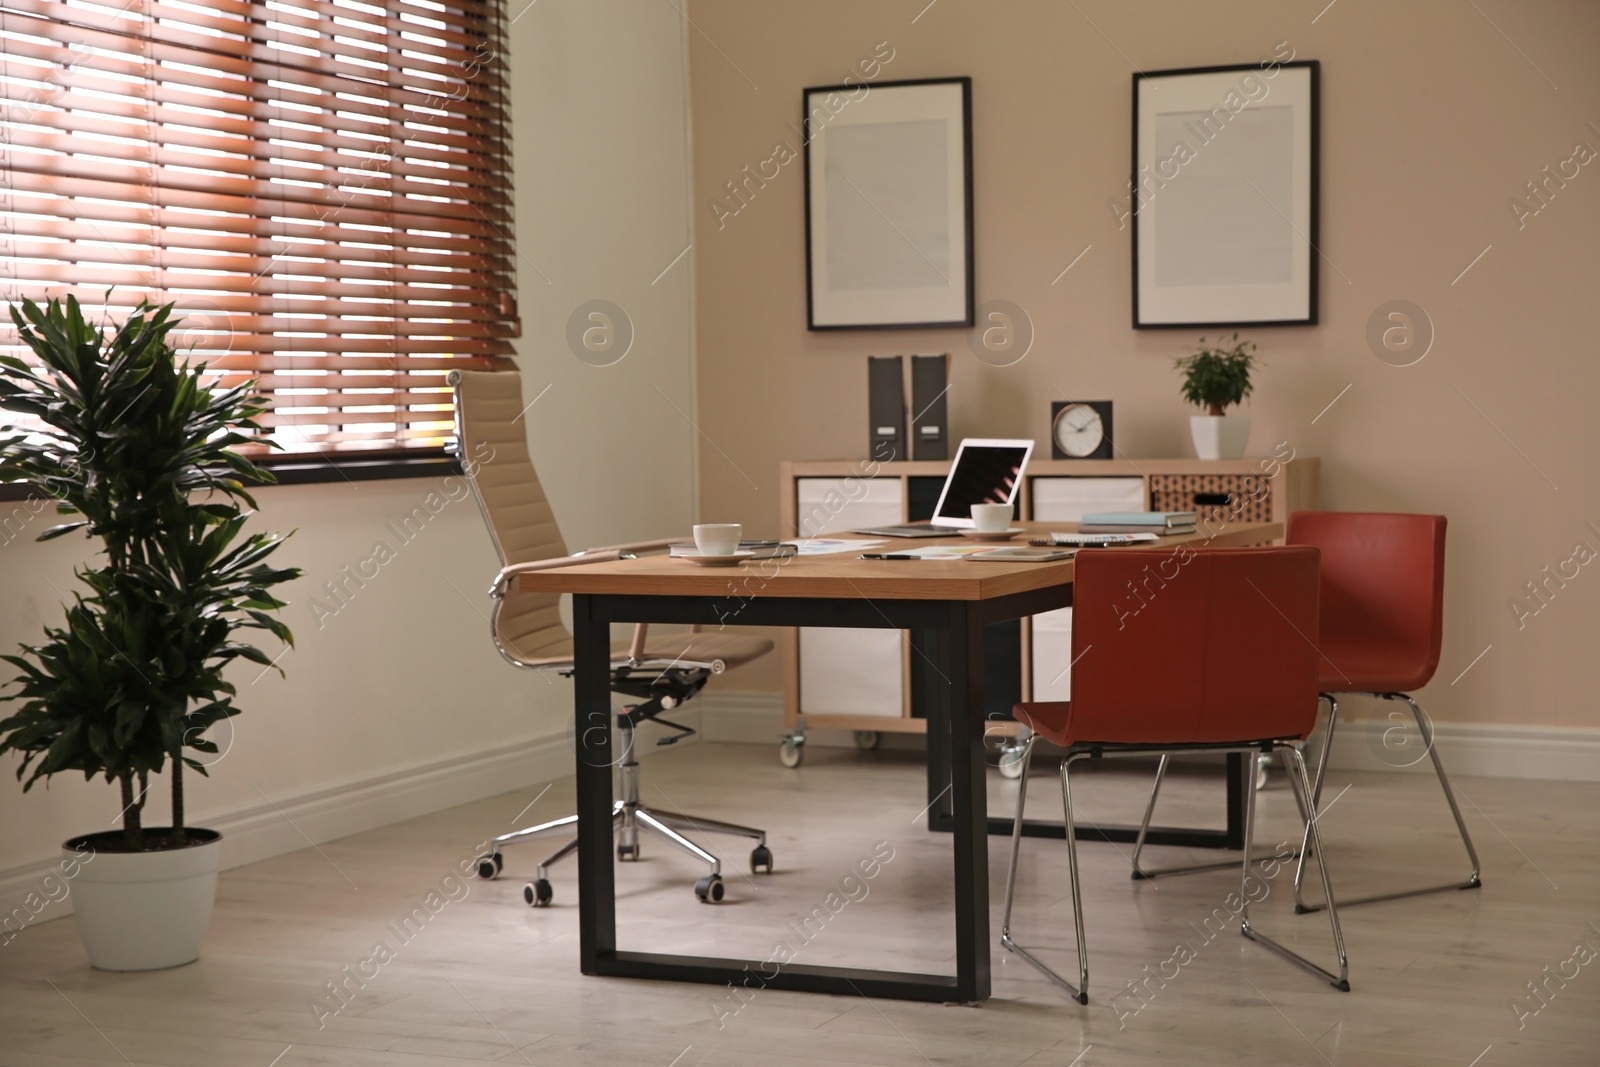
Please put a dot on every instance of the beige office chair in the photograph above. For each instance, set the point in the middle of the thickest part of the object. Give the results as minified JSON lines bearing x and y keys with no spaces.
{"x":662,"y":671}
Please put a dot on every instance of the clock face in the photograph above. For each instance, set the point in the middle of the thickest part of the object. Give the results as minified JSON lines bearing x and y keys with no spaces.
{"x":1079,"y":430}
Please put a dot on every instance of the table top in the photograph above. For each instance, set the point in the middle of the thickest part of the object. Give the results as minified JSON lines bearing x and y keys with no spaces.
{"x":846,"y":575}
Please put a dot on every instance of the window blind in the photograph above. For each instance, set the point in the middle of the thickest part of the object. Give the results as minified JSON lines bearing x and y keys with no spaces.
{"x":322,"y":186}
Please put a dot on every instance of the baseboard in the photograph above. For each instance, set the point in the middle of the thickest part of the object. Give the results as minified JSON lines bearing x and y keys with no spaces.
{"x":1487,"y":750}
{"x":255,"y":832}
{"x":1472,"y":749}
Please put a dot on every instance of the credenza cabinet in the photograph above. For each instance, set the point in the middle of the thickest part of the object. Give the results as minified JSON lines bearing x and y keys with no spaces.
{"x":871,"y":681}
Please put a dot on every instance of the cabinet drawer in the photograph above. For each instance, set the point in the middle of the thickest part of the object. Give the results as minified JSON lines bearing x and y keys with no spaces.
{"x":833,"y":505}
{"x":1069,"y":499}
{"x":1215,"y":497}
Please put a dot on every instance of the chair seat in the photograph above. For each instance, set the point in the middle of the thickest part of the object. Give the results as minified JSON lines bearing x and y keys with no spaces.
{"x":1051,"y":720}
{"x":1358,"y":664}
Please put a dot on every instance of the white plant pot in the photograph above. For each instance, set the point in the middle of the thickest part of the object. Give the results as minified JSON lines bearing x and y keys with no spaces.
{"x":1219,"y":436}
{"x":142,"y":911}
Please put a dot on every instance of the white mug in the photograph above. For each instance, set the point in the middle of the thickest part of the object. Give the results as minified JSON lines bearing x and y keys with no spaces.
{"x":718,"y":538}
{"x":991,"y":518}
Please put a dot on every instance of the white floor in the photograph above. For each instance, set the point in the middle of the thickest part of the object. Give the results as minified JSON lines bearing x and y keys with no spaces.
{"x":481,"y":977}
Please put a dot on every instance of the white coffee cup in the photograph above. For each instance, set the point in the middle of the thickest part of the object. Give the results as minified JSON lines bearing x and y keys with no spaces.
{"x":718,"y":538}
{"x":991,"y":518}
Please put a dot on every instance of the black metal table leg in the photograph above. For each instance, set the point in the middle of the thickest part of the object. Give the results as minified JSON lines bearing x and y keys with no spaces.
{"x":597,"y":914}
{"x":961,"y":715}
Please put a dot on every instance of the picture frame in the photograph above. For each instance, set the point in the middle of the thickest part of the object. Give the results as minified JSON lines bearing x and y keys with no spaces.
{"x":888,"y":191}
{"x":1224,"y":196}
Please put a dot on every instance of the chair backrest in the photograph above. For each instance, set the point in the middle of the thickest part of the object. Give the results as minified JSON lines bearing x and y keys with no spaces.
{"x":1185,"y":646}
{"x":493,"y":446}
{"x":1382,"y":581}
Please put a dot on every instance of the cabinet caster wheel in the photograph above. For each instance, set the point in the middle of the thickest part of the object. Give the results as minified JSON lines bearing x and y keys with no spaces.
{"x":761,"y":856}
{"x":1011,"y":761}
{"x":1261,"y":773}
{"x":490,"y":865}
{"x":538,"y":893}
{"x":628,"y":852}
{"x":792,"y":752}
{"x":709,"y":889}
{"x":866,"y":740}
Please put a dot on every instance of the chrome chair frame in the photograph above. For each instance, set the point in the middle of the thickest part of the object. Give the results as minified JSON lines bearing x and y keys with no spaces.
{"x":1474,"y":880}
{"x":1145,"y":874}
{"x":659,"y":683}
{"x":1302,"y":788}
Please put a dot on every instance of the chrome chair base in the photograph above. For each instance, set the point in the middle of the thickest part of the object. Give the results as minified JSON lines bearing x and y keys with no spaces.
{"x":628,"y":816}
{"x":1473,"y":881}
{"x":1145,"y":874}
{"x":1313,"y":839}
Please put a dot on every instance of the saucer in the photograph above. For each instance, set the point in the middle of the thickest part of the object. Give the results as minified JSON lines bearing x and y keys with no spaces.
{"x":998,"y":535}
{"x":719,"y":561}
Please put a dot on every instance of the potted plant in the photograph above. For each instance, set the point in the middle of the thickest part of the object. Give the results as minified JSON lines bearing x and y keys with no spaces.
{"x":138,"y":451}
{"x":1215,"y":378}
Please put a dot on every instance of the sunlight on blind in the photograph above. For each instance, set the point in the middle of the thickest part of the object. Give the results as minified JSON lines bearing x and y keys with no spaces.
{"x":323,"y":187}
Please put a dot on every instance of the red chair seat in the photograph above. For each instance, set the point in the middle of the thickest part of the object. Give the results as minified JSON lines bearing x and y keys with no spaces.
{"x":1051,"y":721}
{"x":1360,"y":664}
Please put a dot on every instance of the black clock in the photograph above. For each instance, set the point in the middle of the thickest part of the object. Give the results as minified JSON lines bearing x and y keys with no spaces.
{"x":1080,"y":429}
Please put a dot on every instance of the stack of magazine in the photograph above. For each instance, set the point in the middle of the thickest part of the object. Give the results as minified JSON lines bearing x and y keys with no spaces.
{"x":1162,"y":523}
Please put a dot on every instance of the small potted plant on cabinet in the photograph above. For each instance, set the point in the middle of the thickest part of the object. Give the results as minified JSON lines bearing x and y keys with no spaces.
{"x":138,"y":451}
{"x":1215,"y":378}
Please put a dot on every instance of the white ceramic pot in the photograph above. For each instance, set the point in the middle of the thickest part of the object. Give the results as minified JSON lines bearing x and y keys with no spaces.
{"x":142,"y":911}
{"x":1219,"y":436}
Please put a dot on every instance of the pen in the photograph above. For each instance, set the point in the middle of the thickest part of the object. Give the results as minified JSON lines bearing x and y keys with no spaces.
{"x":890,"y":555}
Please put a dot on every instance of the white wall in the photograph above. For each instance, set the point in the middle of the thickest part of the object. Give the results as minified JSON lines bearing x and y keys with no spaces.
{"x":397,"y":703}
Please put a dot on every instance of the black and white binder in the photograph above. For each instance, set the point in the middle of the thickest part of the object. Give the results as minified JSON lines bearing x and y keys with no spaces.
{"x":930,"y":421}
{"x":886,"y":408}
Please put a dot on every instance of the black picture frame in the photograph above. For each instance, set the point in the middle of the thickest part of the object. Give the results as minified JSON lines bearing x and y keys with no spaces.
{"x":1293,"y":303}
{"x":886,"y":308}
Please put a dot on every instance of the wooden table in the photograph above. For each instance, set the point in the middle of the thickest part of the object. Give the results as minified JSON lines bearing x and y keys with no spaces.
{"x":954,"y":599}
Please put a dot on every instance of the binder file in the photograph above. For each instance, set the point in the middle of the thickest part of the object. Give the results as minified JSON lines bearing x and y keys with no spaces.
{"x":886,"y":408}
{"x":930,"y":430}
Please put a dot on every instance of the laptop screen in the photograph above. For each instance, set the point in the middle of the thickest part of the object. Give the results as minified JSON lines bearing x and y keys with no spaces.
{"x":985,"y":472}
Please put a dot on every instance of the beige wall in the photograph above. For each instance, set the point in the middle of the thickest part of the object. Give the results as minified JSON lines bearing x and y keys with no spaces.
{"x":1431,"y":121}
{"x":402,"y":684}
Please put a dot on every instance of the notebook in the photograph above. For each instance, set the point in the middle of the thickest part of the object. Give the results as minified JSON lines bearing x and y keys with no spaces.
{"x":985,"y":471}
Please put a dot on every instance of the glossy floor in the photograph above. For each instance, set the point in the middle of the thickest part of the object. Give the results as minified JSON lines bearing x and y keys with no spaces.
{"x":469,"y":974}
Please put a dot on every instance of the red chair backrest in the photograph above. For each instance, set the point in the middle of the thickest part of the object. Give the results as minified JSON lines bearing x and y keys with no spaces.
{"x":1185,"y":646}
{"x":1382,"y":583}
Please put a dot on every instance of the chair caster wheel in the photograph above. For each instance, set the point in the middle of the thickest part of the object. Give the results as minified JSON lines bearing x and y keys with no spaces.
{"x":490,"y":865}
{"x":1011,"y":761}
{"x":792,"y":751}
{"x":538,"y":893}
{"x":628,"y":852}
{"x":709,"y":889}
{"x":866,"y":740}
{"x":761,"y":856}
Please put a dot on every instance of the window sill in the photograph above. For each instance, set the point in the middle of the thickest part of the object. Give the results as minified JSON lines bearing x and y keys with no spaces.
{"x":314,"y":470}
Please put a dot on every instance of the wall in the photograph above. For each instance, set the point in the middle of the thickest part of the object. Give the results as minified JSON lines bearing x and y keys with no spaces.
{"x":397,"y":703}
{"x":1431,"y":120}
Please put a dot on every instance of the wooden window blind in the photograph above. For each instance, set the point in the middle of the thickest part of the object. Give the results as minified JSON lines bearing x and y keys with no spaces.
{"x":322,"y":186}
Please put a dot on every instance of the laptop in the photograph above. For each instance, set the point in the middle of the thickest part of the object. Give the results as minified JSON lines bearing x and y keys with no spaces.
{"x":986,"y":471}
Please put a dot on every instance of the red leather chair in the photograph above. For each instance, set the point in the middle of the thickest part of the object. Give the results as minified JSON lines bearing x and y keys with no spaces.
{"x":1179,"y":650}
{"x":1382,"y":623}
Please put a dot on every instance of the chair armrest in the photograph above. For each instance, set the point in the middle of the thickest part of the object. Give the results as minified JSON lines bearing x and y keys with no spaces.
{"x":588,"y":555}
{"x":508,"y":574}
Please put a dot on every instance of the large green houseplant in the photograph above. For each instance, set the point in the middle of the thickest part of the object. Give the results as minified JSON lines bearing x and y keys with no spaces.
{"x":1215,"y":378}
{"x":138,"y":450}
